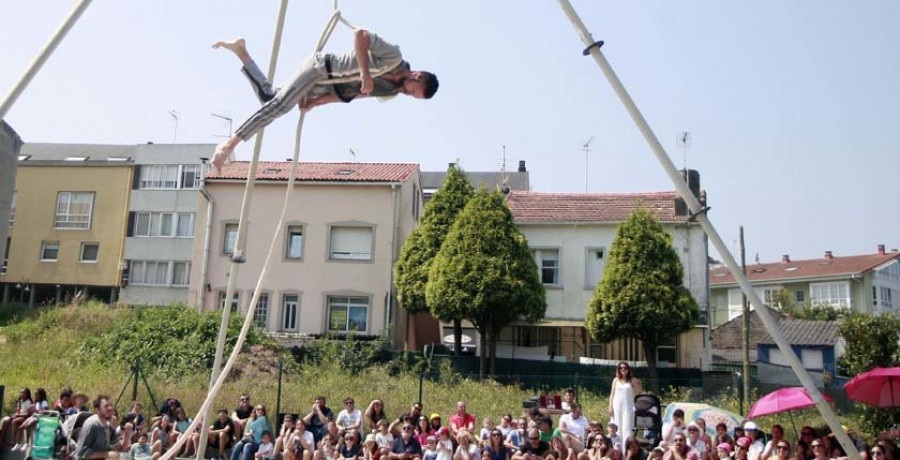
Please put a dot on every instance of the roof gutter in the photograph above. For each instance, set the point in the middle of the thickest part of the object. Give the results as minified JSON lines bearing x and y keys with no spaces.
{"x":283,"y":182}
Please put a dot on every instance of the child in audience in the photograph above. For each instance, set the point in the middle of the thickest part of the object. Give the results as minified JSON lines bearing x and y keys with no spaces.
{"x":266,"y":449}
{"x":487,"y":424}
{"x":384,"y":439}
{"x":430,"y":451}
{"x":141,"y":450}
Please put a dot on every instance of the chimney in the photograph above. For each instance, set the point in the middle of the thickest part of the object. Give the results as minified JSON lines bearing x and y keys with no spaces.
{"x":880,"y":249}
{"x":828,"y":255}
{"x":786,"y":259}
{"x":522,"y":166}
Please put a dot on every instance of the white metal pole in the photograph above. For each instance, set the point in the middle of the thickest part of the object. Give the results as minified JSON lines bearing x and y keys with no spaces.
{"x":10,"y":98}
{"x":700,"y":214}
{"x":240,"y":243}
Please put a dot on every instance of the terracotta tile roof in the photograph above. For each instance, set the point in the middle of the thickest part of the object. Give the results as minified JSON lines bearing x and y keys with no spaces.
{"x":799,"y":269}
{"x":315,"y":172}
{"x":534,"y":207}
{"x":805,"y":332}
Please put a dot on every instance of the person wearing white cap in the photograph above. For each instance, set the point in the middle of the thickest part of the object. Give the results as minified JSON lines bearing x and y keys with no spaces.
{"x":756,"y":448}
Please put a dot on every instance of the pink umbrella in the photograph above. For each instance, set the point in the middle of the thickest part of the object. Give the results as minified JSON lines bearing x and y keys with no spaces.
{"x":877,"y":387}
{"x":784,"y":399}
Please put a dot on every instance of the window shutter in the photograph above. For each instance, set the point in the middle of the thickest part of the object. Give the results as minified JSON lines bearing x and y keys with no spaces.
{"x":131,"y":217}
{"x":136,"y":179}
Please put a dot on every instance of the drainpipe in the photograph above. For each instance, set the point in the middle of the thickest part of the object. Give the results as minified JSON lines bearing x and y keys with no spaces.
{"x":391,"y":258}
{"x":206,"y":241}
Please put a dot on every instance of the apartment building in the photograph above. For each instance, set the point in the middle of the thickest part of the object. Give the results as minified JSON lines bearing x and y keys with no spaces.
{"x":865,"y":283}
{"x":67,"y":236}
{"x":165,"y":193}
{"x":333,"y":269}
{"x":10,"y":144}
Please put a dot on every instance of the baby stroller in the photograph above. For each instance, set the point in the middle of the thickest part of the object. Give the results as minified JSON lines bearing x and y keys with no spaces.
{"x":648,"y":417}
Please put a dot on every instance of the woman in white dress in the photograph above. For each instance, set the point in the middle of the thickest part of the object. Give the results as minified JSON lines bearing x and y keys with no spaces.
{"x":621,"y":399}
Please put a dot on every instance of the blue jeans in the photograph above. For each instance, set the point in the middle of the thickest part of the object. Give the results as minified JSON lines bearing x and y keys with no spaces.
{"x":244,"y":450}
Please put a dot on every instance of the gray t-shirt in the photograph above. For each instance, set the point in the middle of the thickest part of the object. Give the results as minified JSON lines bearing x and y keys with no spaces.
{"x":96,"y":436}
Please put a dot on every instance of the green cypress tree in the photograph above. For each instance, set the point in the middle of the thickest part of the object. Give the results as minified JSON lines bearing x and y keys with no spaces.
{"x":642,"y":294}
{"x":484,"y":272}
{"x":412,"y":267}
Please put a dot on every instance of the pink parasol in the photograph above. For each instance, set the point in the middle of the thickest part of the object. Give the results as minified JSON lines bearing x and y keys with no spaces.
{"x":879,"y":387}
{"x":784,"y":399}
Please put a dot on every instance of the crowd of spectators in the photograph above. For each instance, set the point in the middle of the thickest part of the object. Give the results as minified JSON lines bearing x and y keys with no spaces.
{"x":248,"y":432}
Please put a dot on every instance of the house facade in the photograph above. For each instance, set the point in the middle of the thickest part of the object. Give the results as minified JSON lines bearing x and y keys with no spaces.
{"x":333,"y":268}
{"x":816,"y":344}
{"x":10,"y":144}
{"x":67,"y":238}
{"x":517,"y":180}
{"x":165,"y":193}
{"x":569,"y":235}
{"x":866,"y":283}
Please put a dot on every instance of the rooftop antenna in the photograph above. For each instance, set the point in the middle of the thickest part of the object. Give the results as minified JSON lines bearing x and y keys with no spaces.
{"x":174,"y":115}
{"x":683,"y":142}
{"x":352,"y":153}
{"x":504,"y":178}
{"x":230,"y":123}
{"x":586,"y":148}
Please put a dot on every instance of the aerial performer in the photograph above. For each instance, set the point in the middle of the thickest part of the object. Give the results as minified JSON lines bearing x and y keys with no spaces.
{"x":324,"y":78}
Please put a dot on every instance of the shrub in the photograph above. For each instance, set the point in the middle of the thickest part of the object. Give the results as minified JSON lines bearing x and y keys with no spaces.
{"x":170,"y":341}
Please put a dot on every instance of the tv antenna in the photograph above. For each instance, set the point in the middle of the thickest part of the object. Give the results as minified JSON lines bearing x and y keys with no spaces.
{"x":586,"y":148}
{"x":230,"y":123}
{"x":352,"y":153}
{"x":683,"y":142}
{"x":174,"y":115}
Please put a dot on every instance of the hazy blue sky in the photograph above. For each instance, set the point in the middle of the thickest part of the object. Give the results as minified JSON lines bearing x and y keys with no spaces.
{"x":793,"y":106}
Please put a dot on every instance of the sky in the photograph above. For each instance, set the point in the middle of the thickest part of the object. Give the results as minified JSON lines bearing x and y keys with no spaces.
{"x":793,"y":107}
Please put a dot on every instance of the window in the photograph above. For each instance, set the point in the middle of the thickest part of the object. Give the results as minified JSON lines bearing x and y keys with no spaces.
{"x":235,"y":297}
{"x":261,"y":314}
{"x":294,"y":244}
{"x":5,"y":264}
{"x":90,"y":252}
{"x":73,"y":209}
{"x":290,"y":303}
{"x":874,"y":296}
{"x":164,"y":224}
{"x":767,"y":295}
{"x":181,"y":273}
{"x":12,"y":209}
{"x":886,"y":301}
{"x":185,"y":225}
{"x":149,"y":272}
{"x":415,"y":202}
{"x":50,"y":251}
{"x":812,"y":358}
{"x":547,"y":261}
{"x":594,"y":262}
{"x":191,"y":176}
{"x":667,"y":351}
{"x":801,"y":297}
{"x":158,"y":176}
{"x":231,"y":231}
{"x":735,"y":303}
{"x":77,"y":158}
{"x":834,"y":294}
{"x":348,"y":314}
{"x":351,"y":243}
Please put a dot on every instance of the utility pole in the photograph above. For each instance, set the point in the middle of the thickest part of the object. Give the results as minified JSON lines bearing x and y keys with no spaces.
{"x":746,"y":329}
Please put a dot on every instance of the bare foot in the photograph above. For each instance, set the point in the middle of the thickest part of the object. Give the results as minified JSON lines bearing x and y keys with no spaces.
{"x":237,"y":46}
{"x":223,"y":151}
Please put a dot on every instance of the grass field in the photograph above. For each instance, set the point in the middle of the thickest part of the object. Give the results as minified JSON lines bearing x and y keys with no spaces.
{"x":42,"y":349}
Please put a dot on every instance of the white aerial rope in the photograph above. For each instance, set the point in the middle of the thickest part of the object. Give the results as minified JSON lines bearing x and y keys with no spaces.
{"x":220,"y":377}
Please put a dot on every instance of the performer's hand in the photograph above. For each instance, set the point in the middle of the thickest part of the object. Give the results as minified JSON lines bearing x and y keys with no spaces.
{"x":368,"y":84}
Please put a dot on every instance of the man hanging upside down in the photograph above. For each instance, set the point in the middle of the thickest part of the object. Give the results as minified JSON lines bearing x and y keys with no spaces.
{"x":325,"y":78}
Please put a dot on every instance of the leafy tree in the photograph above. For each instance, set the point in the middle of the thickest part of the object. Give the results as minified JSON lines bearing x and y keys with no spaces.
{"x":869,"y":342}
{"x":414,"y":264}
{"x":484,"y":272}
{"x":784,"y":301}
{"x":642,"y":294}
